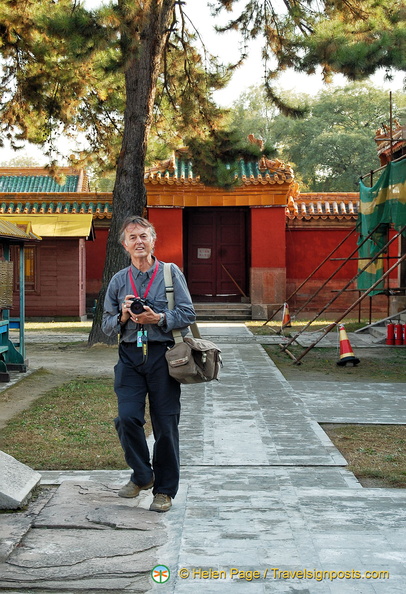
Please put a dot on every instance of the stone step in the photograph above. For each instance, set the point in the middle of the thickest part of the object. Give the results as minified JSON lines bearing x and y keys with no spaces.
{"x":378,"y":330}
{"x":380,"y":325}
{"x":223,"y":311}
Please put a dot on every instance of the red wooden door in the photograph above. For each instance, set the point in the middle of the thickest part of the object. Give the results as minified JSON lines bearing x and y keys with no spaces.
{"x":217,"y":253}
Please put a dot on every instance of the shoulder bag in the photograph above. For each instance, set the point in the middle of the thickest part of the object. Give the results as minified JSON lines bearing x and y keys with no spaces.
{"x":192,"y":360}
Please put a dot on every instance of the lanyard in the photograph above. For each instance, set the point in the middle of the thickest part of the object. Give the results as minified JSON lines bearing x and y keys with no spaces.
{"x":130,"y":274}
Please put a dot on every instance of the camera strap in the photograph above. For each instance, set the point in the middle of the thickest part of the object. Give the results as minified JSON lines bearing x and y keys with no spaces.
{"x":142,"y":341}
{"x":142,"y":336}
{"x":134,"y":288}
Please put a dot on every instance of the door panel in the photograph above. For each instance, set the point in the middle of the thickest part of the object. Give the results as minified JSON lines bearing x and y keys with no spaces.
{"x":216,"y":250}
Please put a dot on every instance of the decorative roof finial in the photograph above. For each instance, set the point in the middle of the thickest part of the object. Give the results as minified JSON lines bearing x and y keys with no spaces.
{"x":258,"y":141}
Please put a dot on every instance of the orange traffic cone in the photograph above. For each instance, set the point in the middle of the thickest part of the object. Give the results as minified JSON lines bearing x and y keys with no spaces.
{"x":346,"y":354}
{"x":286,"y":317}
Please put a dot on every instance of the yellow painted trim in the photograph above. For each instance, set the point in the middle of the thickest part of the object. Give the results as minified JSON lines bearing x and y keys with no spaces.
{"x":55,"y":225}
{"x":232,"y":199}
{"x":22,"y":231}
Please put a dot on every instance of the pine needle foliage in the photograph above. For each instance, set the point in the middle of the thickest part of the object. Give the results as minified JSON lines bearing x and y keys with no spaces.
{"x":216,"y":159}
{"x":351,"y":37}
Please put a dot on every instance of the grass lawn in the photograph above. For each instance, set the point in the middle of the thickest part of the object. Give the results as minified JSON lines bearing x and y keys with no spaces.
{"x":273,"y":327}
{"x":70,"y":427}
{"x":376,"y":454}
{"x":384,"y":364}
{"x":59,"y":326}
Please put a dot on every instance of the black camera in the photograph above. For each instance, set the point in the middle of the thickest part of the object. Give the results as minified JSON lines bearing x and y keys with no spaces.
{"x":137,"y":305}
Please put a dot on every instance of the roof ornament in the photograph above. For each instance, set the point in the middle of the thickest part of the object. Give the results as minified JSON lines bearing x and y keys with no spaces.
{"x":281,"y":171}
{"x":258,"y":141}
{"x":390,"y":143}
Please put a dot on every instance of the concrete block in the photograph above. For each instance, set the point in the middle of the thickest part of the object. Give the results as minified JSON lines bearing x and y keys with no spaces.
{"x":263,"y":311}
{"x":16,"y":482}
{"x":259,"y":311}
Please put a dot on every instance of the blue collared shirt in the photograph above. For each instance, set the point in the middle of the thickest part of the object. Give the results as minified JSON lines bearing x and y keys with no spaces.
{"x":180,"y":317}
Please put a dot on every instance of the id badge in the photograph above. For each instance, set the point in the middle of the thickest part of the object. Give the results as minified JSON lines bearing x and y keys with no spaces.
{"x":141,"y":338}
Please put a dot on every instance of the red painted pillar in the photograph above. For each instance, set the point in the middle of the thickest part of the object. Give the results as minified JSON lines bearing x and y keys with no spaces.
{"x":168,"y":223}
{"x":268,"y":258}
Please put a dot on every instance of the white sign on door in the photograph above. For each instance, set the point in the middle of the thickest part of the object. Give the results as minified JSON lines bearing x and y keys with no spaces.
{"x":203,"y":253}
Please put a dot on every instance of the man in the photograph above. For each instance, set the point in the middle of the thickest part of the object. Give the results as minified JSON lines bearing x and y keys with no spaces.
{"x":142,"y":368}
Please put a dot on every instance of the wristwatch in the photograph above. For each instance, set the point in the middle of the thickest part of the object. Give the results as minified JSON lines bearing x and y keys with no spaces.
{"x":162,"y":319}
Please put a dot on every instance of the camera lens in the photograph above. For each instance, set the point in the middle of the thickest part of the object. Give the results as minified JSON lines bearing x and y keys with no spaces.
{"x":137,"y":307}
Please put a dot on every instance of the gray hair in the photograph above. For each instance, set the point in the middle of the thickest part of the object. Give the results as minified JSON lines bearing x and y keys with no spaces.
{"x":134,"y":220}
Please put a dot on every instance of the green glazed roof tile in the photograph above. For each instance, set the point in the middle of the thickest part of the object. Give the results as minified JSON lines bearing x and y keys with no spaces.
{"x":37,"y":183}
{"x":181,"y":168}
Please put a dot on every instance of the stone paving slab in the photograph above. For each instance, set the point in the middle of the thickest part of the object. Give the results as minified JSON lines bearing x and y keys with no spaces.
{"x":16,"y":482}
{"x":247,"y":508}
{"x":353,"y":402}
{"x":332,"y":340}
{"x":251,"y":523}
{"x":81,"y":504}
{"x":14,"y":526}
{"x":251,"y":416}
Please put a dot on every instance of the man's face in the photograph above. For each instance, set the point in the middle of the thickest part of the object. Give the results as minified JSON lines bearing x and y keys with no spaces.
{"x":138,"y":241}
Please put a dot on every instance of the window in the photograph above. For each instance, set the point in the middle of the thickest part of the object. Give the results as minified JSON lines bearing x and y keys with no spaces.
{"x":31,"y":267}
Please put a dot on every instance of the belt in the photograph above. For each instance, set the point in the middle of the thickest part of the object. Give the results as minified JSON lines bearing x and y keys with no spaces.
{"x":153,"y":342}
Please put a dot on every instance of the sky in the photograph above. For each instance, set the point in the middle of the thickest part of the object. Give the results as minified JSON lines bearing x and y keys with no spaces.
{"x":226,"y":47}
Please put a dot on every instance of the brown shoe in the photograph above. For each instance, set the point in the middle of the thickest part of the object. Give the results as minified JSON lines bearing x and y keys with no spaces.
{"x":161,"y":503}
{"x":133,"y":490}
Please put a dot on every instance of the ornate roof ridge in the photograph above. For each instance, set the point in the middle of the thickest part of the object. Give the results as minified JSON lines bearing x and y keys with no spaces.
{"x":387,"y":139}
{"x":178,"y":170}
{"x":322,"y":205}
{"x":20,"y":231}
{"x":98,"y":208}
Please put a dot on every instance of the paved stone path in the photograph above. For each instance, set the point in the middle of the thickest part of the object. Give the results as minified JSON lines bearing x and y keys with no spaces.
{"x":266,"y":502}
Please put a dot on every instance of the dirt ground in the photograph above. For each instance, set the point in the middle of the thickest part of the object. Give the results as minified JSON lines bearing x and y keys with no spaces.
{"x":51,"y":365}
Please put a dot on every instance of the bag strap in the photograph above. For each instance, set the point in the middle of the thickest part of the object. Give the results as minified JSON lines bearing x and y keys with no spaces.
{"x":177,"y":336}
{"x":169,"y":285}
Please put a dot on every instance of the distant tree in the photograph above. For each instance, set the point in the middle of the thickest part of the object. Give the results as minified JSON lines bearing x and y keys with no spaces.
{"x":102,"y":183}
{"x":332,"y":145}
{"x":252,"y":113}
{"x":22,"y":161}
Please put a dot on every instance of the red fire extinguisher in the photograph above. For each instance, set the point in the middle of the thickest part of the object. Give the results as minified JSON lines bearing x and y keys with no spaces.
{"x":398,"y":333}
{"x":390,"y":333}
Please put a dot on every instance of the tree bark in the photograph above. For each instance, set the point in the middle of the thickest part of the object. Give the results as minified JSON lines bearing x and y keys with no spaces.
{"x":142,"y":68}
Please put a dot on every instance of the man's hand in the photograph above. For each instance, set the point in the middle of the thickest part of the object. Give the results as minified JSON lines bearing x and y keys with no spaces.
{"x":147,"y":317}
{"x":125,"y":309}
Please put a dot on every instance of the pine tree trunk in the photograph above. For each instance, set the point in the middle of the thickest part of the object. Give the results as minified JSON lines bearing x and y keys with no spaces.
{"x":129,"y":195}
